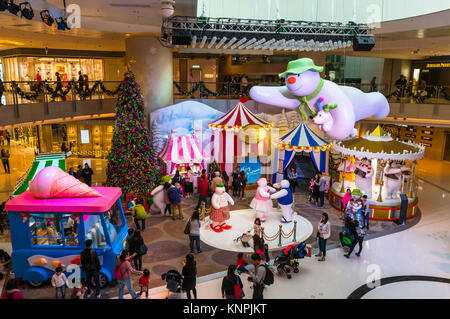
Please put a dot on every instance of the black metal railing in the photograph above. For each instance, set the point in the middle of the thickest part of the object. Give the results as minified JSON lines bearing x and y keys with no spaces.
{"x":432,"y":94}
{"x":23,"y":92}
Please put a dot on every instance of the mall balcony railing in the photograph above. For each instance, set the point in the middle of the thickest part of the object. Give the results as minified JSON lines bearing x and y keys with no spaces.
{"x":25,"y":92}
{"x":431,"y":94}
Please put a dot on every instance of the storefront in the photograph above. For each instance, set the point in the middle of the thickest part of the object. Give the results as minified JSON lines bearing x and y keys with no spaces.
{"x":432,"y":71}
{"x":24,"y":64}
{"x":90,"y":138}
{"x":84,"y":139}
{"x":26,"y":68}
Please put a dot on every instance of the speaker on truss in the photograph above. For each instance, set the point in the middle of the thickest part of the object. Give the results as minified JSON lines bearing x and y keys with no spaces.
{"x":181,"y":38}
{"x":363,"y":43}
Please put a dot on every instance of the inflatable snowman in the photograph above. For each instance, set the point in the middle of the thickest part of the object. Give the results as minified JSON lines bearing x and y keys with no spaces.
{"x":220,"y":211}
{"x":262,"y":202}
{"x":393,"y":179}
{"x":340,"y":106}
{"x":363,"y":176}
{"x":285,"y":200}
{"x":158,"y":196}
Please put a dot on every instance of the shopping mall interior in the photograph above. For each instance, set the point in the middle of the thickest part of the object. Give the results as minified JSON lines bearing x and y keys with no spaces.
{"x":323,"y":95}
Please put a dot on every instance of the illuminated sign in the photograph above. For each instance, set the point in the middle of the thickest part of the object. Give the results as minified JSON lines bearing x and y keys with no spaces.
{"x":438,"y":65}
{"x":84,"y":136}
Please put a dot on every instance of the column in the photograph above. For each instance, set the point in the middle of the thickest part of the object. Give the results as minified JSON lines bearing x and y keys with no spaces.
{"x":153,"y":69}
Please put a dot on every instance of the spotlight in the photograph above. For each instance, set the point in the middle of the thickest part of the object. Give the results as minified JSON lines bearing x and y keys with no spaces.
{"x":13,"y":8}
{"x":3,"y":5}
{"x":26,"y":10}
{"x":46,"y":18}
{"x":62,"y":24}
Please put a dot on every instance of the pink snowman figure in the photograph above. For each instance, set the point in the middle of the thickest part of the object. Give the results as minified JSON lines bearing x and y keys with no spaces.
{"x":262,"y":202}
{"x":304,"y":87}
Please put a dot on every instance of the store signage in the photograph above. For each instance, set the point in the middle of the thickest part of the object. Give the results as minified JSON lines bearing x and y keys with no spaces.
{"x":252,"y":168}
{"x":438,"y":65}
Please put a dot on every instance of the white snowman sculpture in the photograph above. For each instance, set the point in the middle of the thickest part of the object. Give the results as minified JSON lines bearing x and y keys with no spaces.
{"x":159,"y":205}
{"x":393,"y":179}
{"x":261,"y":202}
{"x":363,"y":176}
{"x":285,"y":200}
{"x":220,"y":211}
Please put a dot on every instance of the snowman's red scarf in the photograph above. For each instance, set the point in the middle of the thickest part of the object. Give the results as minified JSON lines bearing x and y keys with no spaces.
{"x":304,"y":101}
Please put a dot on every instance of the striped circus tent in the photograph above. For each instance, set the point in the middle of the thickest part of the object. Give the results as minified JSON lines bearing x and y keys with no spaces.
{"x":301,"y":139}
{"x":41,"y":161}
{"x":182,"y":149}
{"x":226,"y":146}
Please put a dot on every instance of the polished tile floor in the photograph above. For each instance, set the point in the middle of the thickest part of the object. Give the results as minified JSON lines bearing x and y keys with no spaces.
{"x":420,"y":250}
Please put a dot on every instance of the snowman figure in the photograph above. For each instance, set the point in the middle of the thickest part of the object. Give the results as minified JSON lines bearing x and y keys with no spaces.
{"x":220,"y":211}
{"x":159,"y":205}
{"x":363,"y":176}
{"x":261,"y":202}
{"x":393,"y":179}
{"x":285,"y":200}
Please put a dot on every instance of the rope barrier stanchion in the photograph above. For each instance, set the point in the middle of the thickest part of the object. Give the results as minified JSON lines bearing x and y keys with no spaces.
{"x":279,"y":238}
{"x":262,"y":232}
{"x":295,"y":231}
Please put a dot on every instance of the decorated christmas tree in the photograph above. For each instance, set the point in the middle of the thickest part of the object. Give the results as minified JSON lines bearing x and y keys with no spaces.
{"x":132,"y":162}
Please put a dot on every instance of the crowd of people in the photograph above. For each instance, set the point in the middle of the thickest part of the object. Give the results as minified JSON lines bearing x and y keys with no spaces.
{"x":82,"y":174}
{"x":354,"y":215}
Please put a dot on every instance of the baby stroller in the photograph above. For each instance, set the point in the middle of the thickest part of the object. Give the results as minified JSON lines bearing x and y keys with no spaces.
{"x":346,"y":237}
{"x":288,"y":260}
{"x":174,"y":280}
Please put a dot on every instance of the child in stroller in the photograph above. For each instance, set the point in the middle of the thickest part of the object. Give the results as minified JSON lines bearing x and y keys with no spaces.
{"x":288,"y":260}
{"x":174,"y":281}
{"x":347,"y":235}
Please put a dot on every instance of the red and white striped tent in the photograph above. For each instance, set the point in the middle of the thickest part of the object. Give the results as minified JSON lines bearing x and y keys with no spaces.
{"x":226,"y":147}
{"x":182,"y":149}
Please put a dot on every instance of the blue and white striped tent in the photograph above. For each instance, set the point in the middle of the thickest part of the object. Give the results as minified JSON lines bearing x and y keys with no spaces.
{"x":300,"y":139}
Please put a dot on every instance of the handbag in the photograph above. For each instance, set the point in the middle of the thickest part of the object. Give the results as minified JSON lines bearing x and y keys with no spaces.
{"x":143,"y":250}
{"x":187,"y":229}
{"x":238,"y":292}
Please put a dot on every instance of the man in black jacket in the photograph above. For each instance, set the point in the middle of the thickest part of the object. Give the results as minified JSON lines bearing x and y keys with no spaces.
{"x":91,"y":267}
{"x":87,"y":173}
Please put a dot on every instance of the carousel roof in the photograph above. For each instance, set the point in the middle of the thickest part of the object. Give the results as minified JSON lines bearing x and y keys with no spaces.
{"x":182,"y":149}
{"x":301,"y":139}
{"x":380,"y":145}
{"x":238,"y":118}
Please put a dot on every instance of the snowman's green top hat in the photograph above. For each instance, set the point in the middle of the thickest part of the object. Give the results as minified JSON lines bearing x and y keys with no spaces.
{"x":299,"y":66}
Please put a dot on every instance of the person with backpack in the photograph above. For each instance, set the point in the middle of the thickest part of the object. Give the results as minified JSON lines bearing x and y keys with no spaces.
{"x":358,"y":234}
{"x":135,"y":247}
{"x":232,"y":287}
{"x":123,"y":272}
{"x":90,"y":264}
{"x":174,"y":194}
{"x":261,"y":277}
{"x":139,"y":214}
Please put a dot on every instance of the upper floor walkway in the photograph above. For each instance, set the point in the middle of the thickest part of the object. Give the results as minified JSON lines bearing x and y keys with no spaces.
{"x":28,"y":103}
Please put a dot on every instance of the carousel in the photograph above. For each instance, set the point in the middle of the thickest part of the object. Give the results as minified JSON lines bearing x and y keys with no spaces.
{"x":380,"y":167}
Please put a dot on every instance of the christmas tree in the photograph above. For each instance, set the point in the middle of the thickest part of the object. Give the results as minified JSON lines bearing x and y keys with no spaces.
{"x":132,"y":162}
